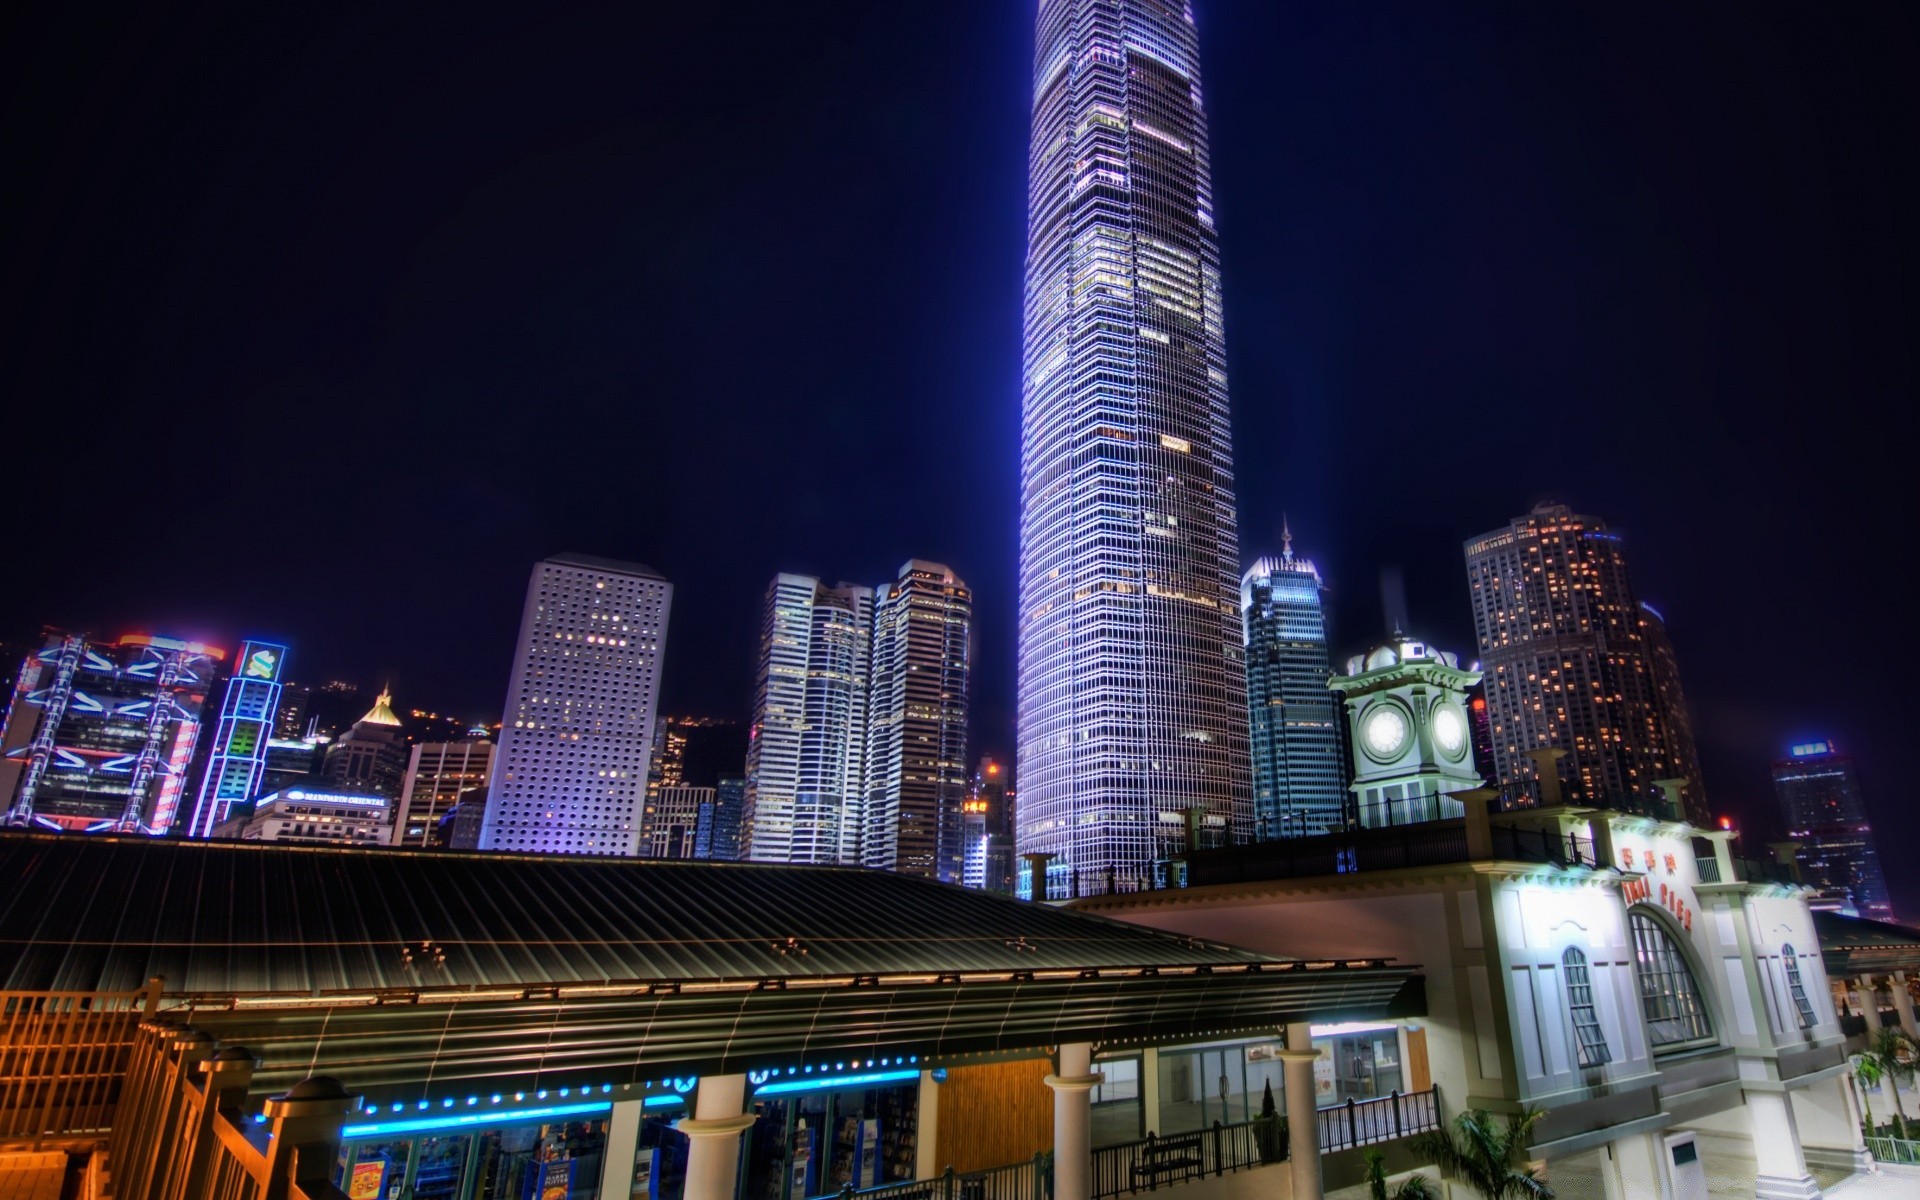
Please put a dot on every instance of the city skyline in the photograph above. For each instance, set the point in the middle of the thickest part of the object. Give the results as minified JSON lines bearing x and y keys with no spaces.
{"x":1328,"y":159}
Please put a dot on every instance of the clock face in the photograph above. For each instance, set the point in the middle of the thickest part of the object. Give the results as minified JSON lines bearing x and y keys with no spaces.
{"x":1450,"y":731}
{"x":1385,"y":732}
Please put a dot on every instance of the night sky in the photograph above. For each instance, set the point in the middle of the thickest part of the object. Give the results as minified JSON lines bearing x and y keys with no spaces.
{"x":327,"y":329}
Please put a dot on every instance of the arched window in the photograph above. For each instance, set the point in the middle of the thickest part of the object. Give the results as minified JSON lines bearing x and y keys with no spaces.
{"x":1675,"y":1014}
{"x":1592,"y":1043}
{"x":1791,"y":962}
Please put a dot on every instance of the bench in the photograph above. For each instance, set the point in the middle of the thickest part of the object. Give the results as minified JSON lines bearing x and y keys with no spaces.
{"x":1177,"y":1154}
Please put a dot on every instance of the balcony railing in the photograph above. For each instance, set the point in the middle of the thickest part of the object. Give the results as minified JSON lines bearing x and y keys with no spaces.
{"x":1147,"y":1164}
{"x":1030,"y":1180}
{"x":1426,"y":845}
{"x":1365,"y":1122}
{"x":1745,"y":870}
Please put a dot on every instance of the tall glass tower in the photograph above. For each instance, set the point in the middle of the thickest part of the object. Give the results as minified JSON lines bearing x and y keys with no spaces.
{"x":1132,"y":689}
{"x":1299,"y":781}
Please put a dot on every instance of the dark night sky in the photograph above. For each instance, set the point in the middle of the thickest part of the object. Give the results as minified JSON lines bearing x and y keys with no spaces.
{"x":328,"y":330}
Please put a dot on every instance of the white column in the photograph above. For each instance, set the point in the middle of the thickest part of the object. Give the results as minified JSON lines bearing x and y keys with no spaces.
{"x":1303,"y":1124}
{"x":713,"y":1133}
{"x":623,"y":1145}
{"x":926,"y":1130}
{"x":1776,"y":1150}
{"x":1073,"y":1122}
{"x":1630,"y":1168}
{"x":1870,"y":1002}
{"x":1903,"y":1004}
{"x":1150,"y":1088}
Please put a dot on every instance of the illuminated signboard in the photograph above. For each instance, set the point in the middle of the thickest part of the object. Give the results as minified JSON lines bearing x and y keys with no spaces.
{"x":1809,"y":749}
{"x":260,"y":661}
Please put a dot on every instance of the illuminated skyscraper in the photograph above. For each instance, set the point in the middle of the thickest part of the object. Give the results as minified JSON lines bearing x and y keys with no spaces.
{"x":570,"y":776}
{"x":805,"y":755}
{"x":99,"y":735}
{"x":437,"y":774}
{"x":1132,"y":685}
{"x":1671,"y":700}
{"x":371,"y":756}
{"x":249,"y":708}
{"x":1567,"y":662}
{"x":916,"y":742}
{"x":1293,"y":721}
{"x":1821,"y":801}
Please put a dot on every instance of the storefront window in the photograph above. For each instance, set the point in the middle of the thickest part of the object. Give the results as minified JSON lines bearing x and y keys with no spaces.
{"x":1116,"y":1102}
{"x":515,"y":1162}
{"x":1357,"y":1064}
{"x":1203,"y":1084}
{"x":816,"y":1143}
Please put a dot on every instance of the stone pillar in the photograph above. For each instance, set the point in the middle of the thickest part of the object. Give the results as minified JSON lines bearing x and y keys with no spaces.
{"x":926,"y":1138}
{"x":1903,"y":1004}
{"x":713,"y":1155}
{"x":1150,"y":1088}
{"x":623,"y":1146}
{"x":1546,"y":764}
{"x":1303,"y":1126}
{"x":1479,"y":829}
{"x":1073,"y":1122}
{"x":1670,"y":790}
{"x":1829,"y":1123}
{"x":1870,"y":1003}
{"x":1631,"y":1167}
{"x":1776,"y":1149}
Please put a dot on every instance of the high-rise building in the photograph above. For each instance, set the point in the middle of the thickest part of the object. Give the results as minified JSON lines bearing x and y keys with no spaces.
{"x":437,"y":773}
{"x":672,"y":825}
{"x":987,"y":834}
{"x":1132,"y":686}
{"x":371,"y":756}
{"x":717,"y":835}
{"x":1567,"y":662}
{"x":249,"y":710}
{"x":805,"y":752}
{"x":916,"y":741}
{"x":1674,"y":719}
{"x":1825,"y":812}
{"x":1293,"y":721}
{"x":328,"y":816}
{"x":99,"y":736}
{"x":570,"y":776}
{"x":290,"y":719}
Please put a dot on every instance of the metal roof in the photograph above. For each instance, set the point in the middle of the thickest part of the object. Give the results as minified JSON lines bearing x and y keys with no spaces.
{"x":102,"y":913}
{"x":1856,"y":946}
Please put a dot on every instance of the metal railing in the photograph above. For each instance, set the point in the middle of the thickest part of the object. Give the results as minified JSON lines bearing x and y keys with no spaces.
{"x":62,"y":1055}
{"x":1030,"y":1180}
{"x":1708,"y":867}
{"x":1894,"y":1150}
{"x":1173,"y":1158}
{"x":1366,"y":1122}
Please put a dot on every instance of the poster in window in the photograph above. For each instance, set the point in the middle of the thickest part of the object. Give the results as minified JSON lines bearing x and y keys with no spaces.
{"x":366,"y":1180}
{"x":866,"y":1171}
{"x":802,"y":1160}
{"x":555,"y":1180}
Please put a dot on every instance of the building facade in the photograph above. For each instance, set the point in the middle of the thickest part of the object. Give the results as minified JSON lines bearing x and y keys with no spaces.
{"x":1293,"y":722}
{"x":1132,"y":687}
{"x":718,"y":835}
{"x":1675,"y":717}
{"x":249,"y":712}
{"x":806,"y":748}
{"x":916,"y":741}
{"x":371,"y":756}
{"x":1821,"y":802}
{"x":987,"y":829}
{"x":100,"y":736}
{"x":570,"y":775}
{"x":319,"y":815}
{"x":1568,"y":666}
{"x":674,"y":816}
{"x":437,"y":773}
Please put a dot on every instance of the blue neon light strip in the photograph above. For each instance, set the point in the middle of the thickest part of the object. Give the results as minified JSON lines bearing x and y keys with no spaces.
{"x":663,"y":1101}
{"x":808,"y":1085}
{"x":468,"y":1120}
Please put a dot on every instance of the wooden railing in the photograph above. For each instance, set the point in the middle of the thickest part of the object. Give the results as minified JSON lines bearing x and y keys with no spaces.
{"x":62,"y":1055}
{"x":181,"y":1134}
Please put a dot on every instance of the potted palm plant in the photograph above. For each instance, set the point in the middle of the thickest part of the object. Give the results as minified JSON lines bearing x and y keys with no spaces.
{"x":1483,"y":1157}
{"x":1417,"y":1187}
{"x":1894,"y":1054}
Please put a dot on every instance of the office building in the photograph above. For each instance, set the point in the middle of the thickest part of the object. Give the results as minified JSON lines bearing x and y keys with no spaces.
{"x":249,"y":712}
{"x":1132,"y":687}
{"x":289,"y":761}
{"x":371,"y":756}
{"x":1293,"y":721}
{"x":290,"y":719}
{"x":916,"y":742}
{"x":100,"y":736}
{"x":313,"y":814}
{"x":805,"y":751}
{"x":717,"y":836}
{"x":437,"y":774}
{"x":1825,"y":812}
{"x":570,"y":776}
{"x":459,"y":827}
{"x":987,"y":829}
{"x":672,"y":824}
{"x":1568,"y":665}
{"x":1675,"y":720}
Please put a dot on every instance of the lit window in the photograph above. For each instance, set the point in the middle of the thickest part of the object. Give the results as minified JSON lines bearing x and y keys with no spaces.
{"x":1792,"y":963}
{"x":1669,"y":996}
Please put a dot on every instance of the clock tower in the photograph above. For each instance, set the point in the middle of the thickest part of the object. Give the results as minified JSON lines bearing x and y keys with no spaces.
{"x":1407,"y":717}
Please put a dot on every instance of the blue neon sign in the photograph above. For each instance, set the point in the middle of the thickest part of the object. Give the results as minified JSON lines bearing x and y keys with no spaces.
{"x":468,"y":1120}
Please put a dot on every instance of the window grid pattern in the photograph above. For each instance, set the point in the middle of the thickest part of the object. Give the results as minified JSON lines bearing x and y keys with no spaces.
{"x":1791,"y":962}
{"x":1590,"y":1042}
{"x":1670,"y":998}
